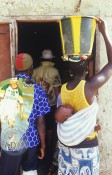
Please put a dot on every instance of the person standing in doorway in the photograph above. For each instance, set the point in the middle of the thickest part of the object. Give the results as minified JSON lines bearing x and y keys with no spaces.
{"x":23,"y":105}
{"x":48,"y":77}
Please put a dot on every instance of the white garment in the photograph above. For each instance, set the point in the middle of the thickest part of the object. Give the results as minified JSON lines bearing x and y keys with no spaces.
{"x":12,"y":102}
{"x":34,"y":172}
{"x":79,"y":126}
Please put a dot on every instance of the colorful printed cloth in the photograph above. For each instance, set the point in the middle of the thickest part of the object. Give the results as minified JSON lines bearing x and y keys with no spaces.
{"x":21,"y":103}
{"x":73,"y":161}
{"x":48,"y":77}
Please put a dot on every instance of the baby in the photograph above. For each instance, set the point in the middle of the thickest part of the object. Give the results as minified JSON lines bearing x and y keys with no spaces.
{"x":63,"y":113}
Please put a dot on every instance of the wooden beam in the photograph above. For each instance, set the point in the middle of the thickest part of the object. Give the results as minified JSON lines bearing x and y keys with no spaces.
{"x":13,"y":46}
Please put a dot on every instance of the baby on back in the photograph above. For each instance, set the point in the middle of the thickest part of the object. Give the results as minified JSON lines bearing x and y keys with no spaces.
{"x":63,"y":112}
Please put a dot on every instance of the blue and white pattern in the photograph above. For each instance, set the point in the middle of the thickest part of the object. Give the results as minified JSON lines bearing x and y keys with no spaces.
{"x":73,"y":161}
{"x":40,"y":108}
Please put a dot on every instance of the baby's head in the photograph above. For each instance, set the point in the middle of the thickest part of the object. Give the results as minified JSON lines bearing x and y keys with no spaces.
{"x":63,"y":113}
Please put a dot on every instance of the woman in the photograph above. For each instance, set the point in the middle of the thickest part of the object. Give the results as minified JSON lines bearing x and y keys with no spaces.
{"x":78,"y":143}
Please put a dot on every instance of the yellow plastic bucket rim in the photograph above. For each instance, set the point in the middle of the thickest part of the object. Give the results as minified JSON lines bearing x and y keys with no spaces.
{"x":93,"y":17}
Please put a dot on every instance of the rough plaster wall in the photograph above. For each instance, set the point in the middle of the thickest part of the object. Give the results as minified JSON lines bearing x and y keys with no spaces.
{"x":43,"y":7}
{"x":67,"y":7}
{"x":105,"y":113}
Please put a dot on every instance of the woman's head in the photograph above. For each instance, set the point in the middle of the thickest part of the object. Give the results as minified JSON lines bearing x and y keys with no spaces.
{"x":78,"y":68}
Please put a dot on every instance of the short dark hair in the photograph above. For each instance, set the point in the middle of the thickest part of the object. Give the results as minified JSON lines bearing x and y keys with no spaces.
{"x":78,"y":68}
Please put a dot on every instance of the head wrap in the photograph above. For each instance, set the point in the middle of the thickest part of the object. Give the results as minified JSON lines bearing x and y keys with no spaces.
{"x":47,"y":54}
{"x":23,"y":61}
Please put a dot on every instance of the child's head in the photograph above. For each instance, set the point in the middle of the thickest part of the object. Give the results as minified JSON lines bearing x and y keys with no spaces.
{"x":63,"y":113}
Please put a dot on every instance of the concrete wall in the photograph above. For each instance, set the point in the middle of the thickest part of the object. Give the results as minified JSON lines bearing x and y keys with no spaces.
{"x":42,"y":7}
{"x":105,"y":100}
{"x":88,"y":7}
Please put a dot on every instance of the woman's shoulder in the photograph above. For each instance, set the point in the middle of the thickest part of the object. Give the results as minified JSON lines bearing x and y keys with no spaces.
{"x":63,"y":85}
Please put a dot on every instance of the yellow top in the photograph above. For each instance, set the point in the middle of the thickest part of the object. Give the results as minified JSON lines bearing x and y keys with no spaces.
{"x":76,"y":97}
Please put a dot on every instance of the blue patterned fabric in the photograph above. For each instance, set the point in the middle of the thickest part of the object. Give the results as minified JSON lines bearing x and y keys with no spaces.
{"x":73,"y":161}
{"x":40,"y":108}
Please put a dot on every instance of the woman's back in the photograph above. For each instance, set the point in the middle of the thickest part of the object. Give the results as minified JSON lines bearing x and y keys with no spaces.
{"x":75,"y":97}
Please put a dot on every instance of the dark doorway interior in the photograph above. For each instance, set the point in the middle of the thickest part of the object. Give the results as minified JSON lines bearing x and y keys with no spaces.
{"x":33,"y":38}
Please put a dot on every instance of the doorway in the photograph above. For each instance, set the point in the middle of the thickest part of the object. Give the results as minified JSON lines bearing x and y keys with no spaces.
{"x":34,"y":37}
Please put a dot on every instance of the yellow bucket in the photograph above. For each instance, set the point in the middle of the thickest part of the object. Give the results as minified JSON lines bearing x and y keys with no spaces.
{"x":77,"y":36}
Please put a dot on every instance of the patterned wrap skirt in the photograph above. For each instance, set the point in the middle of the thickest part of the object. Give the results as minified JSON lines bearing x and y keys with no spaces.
{"x":78,"y":161}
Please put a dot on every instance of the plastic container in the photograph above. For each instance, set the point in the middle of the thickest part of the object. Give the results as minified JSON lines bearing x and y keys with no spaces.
{"x":77,"y":35}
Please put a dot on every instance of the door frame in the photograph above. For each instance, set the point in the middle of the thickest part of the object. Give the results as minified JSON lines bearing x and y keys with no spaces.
{"x":11,"y":22}
{"x":40,"y":18}
{"x":33,"y":19}
{"x":14,"y":31}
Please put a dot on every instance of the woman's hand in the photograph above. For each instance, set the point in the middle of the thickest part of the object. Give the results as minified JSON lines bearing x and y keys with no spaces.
{"x":102,"y":25}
